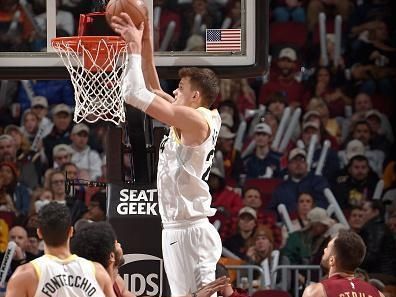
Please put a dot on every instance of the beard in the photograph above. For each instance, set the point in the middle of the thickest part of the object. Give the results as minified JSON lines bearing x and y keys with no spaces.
{"x":324,"y":264}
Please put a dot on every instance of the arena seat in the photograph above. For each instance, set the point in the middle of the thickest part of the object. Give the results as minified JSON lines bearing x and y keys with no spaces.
{"x":280,"y":34}
{"x":266,"y":186}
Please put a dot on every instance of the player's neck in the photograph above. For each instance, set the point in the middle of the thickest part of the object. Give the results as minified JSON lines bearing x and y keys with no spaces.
{"x":61,"y":252}
{"x":335,"y":271}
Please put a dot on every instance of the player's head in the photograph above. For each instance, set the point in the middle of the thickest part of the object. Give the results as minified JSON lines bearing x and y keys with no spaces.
{"x":54,"y":224}
{"x":345,"y":252}
{"x":97,"y":242}
{"x":201,"y":85}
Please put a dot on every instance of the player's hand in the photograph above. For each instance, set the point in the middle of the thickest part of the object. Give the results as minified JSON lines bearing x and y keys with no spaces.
{"x":124,"y":26}
{"x":213,"y":287}
{"x":164,"y":95}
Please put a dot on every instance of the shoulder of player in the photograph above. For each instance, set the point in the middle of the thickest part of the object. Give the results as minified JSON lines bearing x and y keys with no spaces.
{"x":24,"y":271}
{"x":104,"y":280}
{"x":314,"y":290}
{"x":23,"y":281}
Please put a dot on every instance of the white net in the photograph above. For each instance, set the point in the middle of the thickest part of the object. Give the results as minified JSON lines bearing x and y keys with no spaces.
{"x":97,"y":67}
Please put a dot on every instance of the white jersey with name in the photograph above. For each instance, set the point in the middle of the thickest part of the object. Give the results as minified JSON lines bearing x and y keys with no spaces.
{"x":183,"y":193}
{"x":72,"y":277}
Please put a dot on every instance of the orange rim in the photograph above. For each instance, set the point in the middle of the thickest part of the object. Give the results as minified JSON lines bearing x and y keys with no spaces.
{"x":89,"y":42}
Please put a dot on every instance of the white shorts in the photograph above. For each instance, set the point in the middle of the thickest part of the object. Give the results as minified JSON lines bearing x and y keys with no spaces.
{"x":190,"y":250}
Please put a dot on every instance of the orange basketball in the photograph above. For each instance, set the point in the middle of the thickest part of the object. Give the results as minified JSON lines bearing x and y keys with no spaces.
{"x":136,"y":9}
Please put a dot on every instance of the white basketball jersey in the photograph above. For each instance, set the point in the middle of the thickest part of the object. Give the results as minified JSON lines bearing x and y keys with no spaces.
{"x":72,"y":277}
{"x":183,"y":193}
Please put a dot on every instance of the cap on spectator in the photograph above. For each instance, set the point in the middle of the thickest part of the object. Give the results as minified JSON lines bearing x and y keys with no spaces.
{"x":226,"y":133}
{"x":319,"y":215}
{"x":80,"y":128}
{"x":354,"y":148}
{"x":263,"y":230}
{"x":311,"y":124}
{"x":263,"y":128}
{"x":12,"y":166}
{"x":216,"y":171}
{"x":247,"y":210}
{"x":373,"y":113}
{"x":6,"y":137}
{"x":227,"y":119}
{"x":12,"y":127}
{"x":61,"y":108}
{"x":61,"y":148}
{"x":310,"y":113}
{"x":297,"y":152}
{"x":39,"y":101}
{"x":288,"y":53}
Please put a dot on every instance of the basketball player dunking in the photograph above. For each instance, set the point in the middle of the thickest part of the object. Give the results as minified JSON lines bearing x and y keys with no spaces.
{"x":342,"y":256}
{"x":58,"y":272}
{"x":191,"y":245}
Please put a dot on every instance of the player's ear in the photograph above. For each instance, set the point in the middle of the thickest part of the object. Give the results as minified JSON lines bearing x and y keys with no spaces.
{"x":38,"y":231}
{"x":196,"y":95}
{"x":112,"y":257}
{"x":332,"y":260}
{"x":71,"y":232}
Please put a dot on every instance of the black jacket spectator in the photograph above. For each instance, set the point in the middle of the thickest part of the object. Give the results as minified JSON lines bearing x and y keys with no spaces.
{"x":381,"y":247}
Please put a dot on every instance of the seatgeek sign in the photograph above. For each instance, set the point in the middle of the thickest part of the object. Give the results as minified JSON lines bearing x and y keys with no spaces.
{"x":133,"y":213}
{"x":133,"y":201}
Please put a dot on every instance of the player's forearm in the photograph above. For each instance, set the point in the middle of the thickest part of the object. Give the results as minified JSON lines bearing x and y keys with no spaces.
{"x":133,"y":87}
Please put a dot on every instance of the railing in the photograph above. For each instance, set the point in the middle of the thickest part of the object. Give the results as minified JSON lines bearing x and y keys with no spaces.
{"x":288,"y":280}
{"x":248,"y":271}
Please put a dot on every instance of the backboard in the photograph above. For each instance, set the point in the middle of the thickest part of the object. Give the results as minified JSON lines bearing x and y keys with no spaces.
{"x":37,"y":60}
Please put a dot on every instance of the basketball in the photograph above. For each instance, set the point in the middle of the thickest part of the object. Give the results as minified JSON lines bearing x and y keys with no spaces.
{"x":136,"y":9}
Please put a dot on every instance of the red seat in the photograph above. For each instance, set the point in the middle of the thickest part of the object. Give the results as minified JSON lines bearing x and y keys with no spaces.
{"x":271,"y":293}
{"x":266,"y":186}
{"x":8,"y":217}
{"x":288,"y":33}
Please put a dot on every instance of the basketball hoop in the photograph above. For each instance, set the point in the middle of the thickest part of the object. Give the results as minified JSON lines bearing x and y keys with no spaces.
{"x":96,"y":65}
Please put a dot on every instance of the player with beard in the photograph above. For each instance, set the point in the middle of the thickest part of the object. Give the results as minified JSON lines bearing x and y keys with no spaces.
{"x":97,"y":242}
{"x":341,"y":257}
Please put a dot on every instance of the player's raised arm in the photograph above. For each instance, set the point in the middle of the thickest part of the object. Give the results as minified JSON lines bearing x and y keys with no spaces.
{"x":149,"y":71}
{"x":185,"y":118}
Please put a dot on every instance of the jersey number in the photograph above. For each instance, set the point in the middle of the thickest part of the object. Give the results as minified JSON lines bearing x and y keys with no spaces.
{"x":209,"y":158}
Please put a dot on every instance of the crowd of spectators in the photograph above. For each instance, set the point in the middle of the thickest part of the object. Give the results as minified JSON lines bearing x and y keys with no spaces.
{"x":346,"y":106}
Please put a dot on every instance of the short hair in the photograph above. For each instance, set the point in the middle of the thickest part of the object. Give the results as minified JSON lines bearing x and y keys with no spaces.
{"x":349,"y":249}
{"x":205,"y":80}
{"x":94,"y":242}
{"x":54,"y":222}
{"x":101,"y":198}
{"x":361,"y":122}
{"x":310,"y":194}
{"x":358,"y":158}
{"x":248,"y":188}
{"x":377,"y":205}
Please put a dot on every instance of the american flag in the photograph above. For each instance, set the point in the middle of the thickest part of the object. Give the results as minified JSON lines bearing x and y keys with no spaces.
{"x":223,"y":40}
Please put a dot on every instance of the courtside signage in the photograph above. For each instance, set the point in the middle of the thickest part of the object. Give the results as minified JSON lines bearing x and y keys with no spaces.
{"x":141,"y":201}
